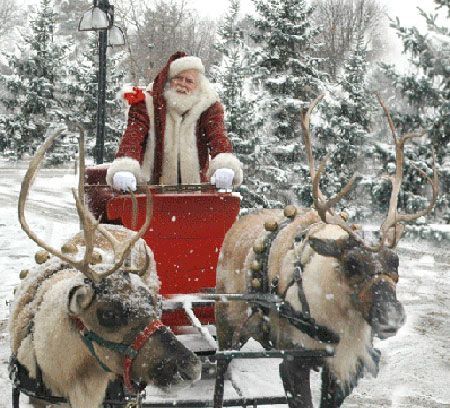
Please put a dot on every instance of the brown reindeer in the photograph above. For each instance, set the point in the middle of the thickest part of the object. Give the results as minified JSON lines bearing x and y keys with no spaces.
{"x":90,"y":312}
{"x":323,"y":270}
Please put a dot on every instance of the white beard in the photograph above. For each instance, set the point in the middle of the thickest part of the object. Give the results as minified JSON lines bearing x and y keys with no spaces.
{"x":180,"y":102}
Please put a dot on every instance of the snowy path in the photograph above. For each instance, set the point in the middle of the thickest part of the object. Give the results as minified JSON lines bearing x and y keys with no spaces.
{"x":415,"y":366}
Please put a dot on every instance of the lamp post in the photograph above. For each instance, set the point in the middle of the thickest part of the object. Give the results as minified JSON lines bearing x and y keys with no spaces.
{"x":100,"y":18}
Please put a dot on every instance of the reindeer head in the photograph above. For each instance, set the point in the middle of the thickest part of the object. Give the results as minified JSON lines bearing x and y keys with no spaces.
{"x":370,"y":271}
{"x":371,"y":277}
{"x":115,"y":312}
{"x":119,"y":308}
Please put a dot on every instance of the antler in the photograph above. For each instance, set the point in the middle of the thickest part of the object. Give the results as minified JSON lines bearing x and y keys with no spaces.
{"x":90,"y":225}
{"x":323,"y":205}
{"x":393,"y":217}
{"x":305,"y":116}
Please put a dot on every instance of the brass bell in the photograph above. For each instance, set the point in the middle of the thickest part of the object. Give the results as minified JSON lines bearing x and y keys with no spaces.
{"x":271,"y":226}
{"x":259,"y":247}
{"x":344,"y":215}
{"x":69,"y":248}
{"x":96,"y":258}
{"x":290,"y":211}
{"x":255,"y":266}
{"x":23,"y":273}
{"x":256,"y":283}
{"x":41,"y":256}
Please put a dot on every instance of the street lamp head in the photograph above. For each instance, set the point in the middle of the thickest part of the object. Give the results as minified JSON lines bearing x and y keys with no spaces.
{"x":95,"y":19}
{"x":115,"y":36}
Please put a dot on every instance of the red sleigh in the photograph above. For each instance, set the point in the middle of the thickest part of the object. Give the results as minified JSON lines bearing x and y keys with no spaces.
{"x":186,"y":233}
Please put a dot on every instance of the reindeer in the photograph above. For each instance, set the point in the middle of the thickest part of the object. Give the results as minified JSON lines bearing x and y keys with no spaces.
{"x":325,"y":272}
{"x":90,"y":313}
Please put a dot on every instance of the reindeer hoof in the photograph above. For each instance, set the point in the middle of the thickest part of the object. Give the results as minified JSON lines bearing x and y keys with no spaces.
{"x":290,"y":211}
{"x":41,"y":256}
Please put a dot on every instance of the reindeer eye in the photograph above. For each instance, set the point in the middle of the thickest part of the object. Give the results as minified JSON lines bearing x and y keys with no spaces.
{"x":114,"y":316}
{"x":107,"y":315}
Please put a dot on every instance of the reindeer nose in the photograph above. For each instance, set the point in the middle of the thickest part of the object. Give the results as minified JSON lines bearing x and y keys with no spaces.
{"x":191,"y":369}
{"x":166,"y":371}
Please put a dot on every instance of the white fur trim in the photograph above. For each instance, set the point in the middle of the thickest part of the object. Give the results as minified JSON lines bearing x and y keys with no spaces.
{"x":227,"y":161}
{"x":149,"y":155}
{"x":127,"y":88}
{"x":184,"y":63}
{"x":180,"y":139}
{"x":188,"y":141}
{"x":123,"y":164}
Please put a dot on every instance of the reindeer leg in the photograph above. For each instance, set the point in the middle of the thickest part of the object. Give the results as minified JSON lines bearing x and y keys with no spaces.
{"x":15,"y":397}
{"x":222,"y":366}
{"x":295,"y":376}
{"x":332,"y":395}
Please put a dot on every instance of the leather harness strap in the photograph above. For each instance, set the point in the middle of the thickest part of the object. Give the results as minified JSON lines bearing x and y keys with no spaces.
{"x":300,"y":320}
{"x":138,"y":343}
{"x":129,"y":351}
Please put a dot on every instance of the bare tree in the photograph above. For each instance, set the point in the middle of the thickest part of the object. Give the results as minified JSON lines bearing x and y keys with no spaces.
{"x":8,"y":15}
{"x":343,"y":22}
{"x":157,"y":29}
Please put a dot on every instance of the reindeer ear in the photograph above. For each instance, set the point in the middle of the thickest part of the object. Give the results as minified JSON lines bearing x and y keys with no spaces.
{"x":328,"y":247}
{"x":80,"y":297}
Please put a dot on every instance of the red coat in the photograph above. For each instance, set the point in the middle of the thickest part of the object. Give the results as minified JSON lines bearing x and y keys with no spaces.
{"x":210,"y":130}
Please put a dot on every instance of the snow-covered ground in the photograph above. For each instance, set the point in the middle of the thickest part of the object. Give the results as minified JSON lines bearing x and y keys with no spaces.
{"x":415,"y":366}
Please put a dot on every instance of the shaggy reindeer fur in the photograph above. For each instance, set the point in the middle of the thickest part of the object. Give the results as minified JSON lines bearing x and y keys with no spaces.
{"x":40,"y":322}
{"x":324,"y":285}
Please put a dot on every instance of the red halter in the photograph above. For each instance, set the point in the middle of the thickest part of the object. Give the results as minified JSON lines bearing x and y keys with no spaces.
{"x":138,"y":343}
{"x":130,"y":351}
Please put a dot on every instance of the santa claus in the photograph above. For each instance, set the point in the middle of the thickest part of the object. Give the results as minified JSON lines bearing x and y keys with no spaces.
{"x":175,"y":133}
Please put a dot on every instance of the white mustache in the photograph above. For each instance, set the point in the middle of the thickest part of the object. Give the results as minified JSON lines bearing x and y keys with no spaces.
{"x":182,"y":90}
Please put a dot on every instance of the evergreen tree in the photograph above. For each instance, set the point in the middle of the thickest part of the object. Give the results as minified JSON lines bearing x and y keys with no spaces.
{"x":232,"y":72}
{"x":426,"y":90}
{"x":286,"y":60}
{"x":289,"y":70}
{"x":344,"y":126}
{"x":232,"y":76}
{"x":81,"y":87}
{"x":68,"y":17}
{"x":32,"y":99}
{"x":443,"y":3}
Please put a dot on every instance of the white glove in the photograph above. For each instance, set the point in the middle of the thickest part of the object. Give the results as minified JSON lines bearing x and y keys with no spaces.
{"x":223,"y":179}
{"x":124,"y":180}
